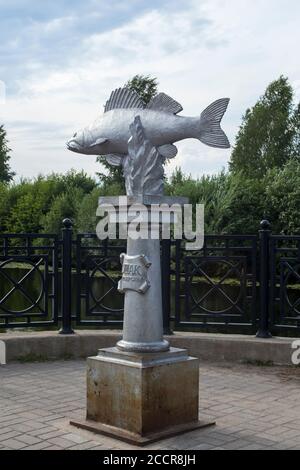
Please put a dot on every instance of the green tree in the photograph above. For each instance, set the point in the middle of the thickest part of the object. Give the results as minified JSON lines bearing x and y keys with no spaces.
{"x":25,"y":216}
{"x":266,"y":137}
{"x":3,"y":205}
{"x":65,"y":205}
{"x":282,"y":196}
{"x":23,"y":206}
{"x":6,"y":175}
{"x":244,"y":205}
{"x":86,"y":215}
{"x":146,"y":87}
{"x":212,"y":191}
{"x":296,"y":135}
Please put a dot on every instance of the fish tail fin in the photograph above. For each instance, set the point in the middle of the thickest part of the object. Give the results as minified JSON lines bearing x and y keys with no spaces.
{"x":210,"y":130}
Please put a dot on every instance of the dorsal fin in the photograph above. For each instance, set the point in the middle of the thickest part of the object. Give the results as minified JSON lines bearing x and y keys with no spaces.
{"x":123,"y":98}
{"x":165,"y":103}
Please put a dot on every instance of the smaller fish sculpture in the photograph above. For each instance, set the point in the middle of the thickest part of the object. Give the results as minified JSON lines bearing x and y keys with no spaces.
{"x":110,"y":133}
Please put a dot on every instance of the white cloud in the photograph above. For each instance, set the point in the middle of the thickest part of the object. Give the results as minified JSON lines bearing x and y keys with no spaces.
{"x":57,"y":24}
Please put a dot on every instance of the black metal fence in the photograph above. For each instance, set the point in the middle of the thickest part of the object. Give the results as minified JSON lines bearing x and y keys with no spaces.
{"x":236,"y":283}
{"x":28,"y":259}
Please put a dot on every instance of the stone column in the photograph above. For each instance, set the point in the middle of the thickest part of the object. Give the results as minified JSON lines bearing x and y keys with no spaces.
{"x":143,"y":320}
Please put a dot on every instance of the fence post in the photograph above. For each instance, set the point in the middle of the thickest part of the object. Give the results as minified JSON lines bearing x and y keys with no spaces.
{"x":67,"y":234}
{"x":264,"y":237}
{"x":166,"y":284}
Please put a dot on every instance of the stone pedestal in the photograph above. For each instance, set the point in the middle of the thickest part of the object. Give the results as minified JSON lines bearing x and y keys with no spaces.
{"x":142,"y":390}
{"x":142,"y":397}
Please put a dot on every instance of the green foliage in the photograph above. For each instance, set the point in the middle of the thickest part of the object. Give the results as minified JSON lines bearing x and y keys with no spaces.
{"x":66,"y":205}
{"x":283,"y":198}
{"x":19,"y":208}
{"x":235,"y":204}
{"x":244,"y":205}
{"x":3,"y":204}
{"x":77,"y":179}
{"x":146,"y":87}
{"x":6,"y":175}
{"x":212,"y":191}
{"x":295,"y":122}
{"x":268,"y":132}
{"x":86,"y":216}
{"x":113,"y":177}
{"x":25,"y":216}
{"x":25,"y":207}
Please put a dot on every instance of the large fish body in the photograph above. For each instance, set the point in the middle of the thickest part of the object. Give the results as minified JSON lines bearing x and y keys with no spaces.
{"x":110,"y":133}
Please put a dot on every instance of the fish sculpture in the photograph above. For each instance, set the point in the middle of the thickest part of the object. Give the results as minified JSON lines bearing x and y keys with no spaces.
{"x":109,"y":134}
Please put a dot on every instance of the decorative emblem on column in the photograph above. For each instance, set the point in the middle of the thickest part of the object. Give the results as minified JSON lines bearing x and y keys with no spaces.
{"x":134,"y":273}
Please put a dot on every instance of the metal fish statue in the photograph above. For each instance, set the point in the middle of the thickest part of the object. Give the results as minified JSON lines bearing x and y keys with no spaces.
{"x":110,"y":133}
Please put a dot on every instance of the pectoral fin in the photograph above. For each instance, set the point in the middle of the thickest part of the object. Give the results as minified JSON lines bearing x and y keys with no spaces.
{"x":168,"y":151}
{"x":99,"y":141}
{"x":114,"y":160}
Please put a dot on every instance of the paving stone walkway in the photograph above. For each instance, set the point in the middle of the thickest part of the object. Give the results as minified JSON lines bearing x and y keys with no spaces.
{"x":255,"y":408}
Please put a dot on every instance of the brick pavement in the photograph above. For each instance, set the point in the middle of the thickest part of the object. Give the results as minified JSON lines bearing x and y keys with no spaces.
{"x":255,"y":408}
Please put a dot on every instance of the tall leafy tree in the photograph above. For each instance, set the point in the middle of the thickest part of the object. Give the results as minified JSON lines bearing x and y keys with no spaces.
{"x":6,"y":175}
{"x":146,"y":87}
{"x":282,"y":196}
{"x":24,"y":206}
{"x":266,"y":137}
{"x":296,"y":135}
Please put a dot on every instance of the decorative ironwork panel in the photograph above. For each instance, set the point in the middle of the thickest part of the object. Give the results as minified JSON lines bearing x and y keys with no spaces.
{"x":216,"y":286}
{"x":285,"y":282}
{"x":98,"y":272}
{"x":28,"y":280}
{"x":217,"y":298}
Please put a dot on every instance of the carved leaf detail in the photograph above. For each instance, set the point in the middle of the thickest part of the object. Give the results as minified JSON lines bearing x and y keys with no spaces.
{"x":143,"y":167}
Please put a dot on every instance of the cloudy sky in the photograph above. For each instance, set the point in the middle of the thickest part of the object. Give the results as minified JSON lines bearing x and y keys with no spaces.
{"x":59,"y":61}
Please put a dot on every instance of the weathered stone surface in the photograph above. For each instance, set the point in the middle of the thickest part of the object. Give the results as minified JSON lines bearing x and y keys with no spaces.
{"x":142,"y":393}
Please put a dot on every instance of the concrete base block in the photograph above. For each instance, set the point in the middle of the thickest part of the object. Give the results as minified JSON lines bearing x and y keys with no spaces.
{"x":136,"y":439}
{"x":141,"y":397}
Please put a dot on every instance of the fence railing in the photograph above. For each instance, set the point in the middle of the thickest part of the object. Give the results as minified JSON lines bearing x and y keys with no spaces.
{"x":236,"y":283}
{"x":29,"y":280}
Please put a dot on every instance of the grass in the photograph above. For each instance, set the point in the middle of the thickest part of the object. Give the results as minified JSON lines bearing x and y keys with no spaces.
{"x":257,"y":363}
{"x":32,"y":357}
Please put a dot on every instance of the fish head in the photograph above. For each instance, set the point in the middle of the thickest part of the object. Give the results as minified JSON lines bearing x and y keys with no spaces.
{"x":85,"y":142}
{"x":79,"y":142}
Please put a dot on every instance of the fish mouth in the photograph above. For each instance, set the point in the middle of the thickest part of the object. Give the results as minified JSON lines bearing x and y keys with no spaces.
{"x":73,"y":146}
